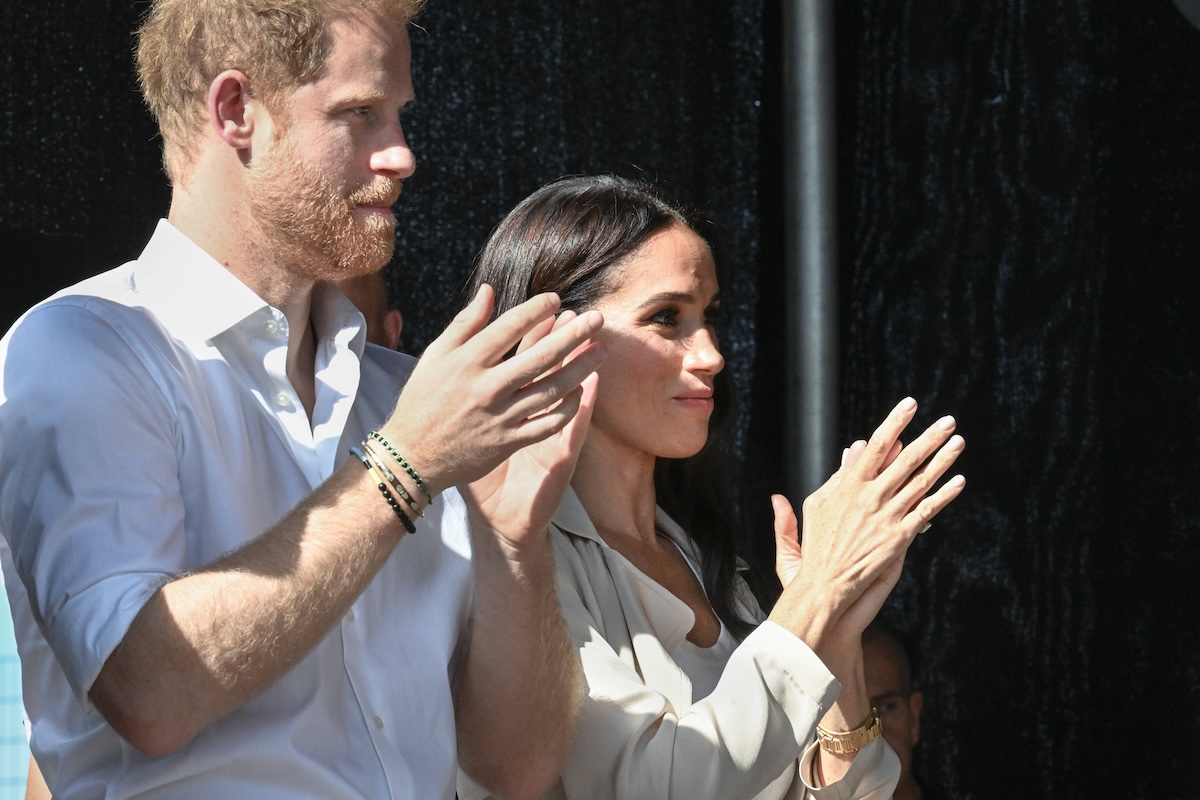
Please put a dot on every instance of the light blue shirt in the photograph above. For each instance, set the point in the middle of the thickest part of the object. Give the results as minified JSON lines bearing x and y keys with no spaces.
{"x":147,"y":427}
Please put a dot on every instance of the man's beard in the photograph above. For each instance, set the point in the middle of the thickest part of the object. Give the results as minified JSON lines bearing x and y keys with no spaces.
{"x":310,"y":220}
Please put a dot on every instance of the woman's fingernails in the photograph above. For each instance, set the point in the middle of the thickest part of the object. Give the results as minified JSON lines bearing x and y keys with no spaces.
{"x":946,"y":423}
{"x":907,"y":404}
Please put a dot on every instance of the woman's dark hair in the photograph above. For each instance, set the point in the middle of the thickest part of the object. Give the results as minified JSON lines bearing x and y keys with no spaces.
{"x":566,"y":237}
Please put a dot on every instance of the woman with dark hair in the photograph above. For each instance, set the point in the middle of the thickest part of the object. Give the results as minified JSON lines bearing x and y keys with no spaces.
{"x":692,"y":691}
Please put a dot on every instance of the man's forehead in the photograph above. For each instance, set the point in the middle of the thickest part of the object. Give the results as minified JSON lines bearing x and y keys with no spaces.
{"x":883,"y":670}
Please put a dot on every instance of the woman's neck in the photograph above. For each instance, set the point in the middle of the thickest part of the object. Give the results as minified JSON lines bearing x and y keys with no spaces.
{"x":616,"y":487}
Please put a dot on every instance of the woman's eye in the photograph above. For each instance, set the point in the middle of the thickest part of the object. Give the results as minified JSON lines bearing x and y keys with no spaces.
{"x":711,"y":315}
{"x":667,"y":316}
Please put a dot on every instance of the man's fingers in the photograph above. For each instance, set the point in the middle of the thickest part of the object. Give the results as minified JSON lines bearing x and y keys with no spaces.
{"x":538,"y":427}
{"x":506,"y":332}
{"x":544,"y":327}
{"x":472,"y":319}
{"x":550,"y":351}
{"x":540,"y":395}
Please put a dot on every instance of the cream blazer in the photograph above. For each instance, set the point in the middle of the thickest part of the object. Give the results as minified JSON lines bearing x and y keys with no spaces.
{"x":642,"y":736}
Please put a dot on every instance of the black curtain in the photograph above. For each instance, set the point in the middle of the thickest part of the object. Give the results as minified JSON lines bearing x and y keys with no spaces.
{"x":1019,"y":231}
{"x":1019,"y":196}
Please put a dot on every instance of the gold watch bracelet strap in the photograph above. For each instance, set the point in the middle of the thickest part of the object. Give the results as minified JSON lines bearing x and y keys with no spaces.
{"x":851,"y":741}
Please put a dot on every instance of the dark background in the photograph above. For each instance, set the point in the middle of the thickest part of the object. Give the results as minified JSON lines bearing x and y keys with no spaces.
{"x":1019,"y":198}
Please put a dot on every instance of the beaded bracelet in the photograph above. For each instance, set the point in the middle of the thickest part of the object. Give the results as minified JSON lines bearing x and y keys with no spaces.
{"x":412,"y":473}
{"x":391,"y":477}
{"x":398,"y":487}
{"x":391,"y":501}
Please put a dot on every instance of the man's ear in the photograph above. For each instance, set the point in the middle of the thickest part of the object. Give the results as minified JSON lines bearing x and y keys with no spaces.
{"x":229,"y":110}
{"x":916,"y":701}
{"x":393,"y":323}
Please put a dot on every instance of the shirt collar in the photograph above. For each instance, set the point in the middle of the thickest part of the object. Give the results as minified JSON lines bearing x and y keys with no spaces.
{"x":192,"y":295}
{"x":197,"y":298}
{"x":335,"y":316}
{"x":573,"y":518}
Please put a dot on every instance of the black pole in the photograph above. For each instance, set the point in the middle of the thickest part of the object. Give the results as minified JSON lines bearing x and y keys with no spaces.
{"x":810,"y":217}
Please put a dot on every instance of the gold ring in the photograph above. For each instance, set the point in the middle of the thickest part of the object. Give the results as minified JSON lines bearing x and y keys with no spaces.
{"x":925,"y":527}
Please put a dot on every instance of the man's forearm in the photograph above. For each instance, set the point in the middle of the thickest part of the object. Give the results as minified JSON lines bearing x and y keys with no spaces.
{"x":207,"y":642}
{"x":522,"y":687}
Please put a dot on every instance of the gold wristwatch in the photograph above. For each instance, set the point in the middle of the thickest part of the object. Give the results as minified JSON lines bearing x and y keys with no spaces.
{"x":851,"y":741}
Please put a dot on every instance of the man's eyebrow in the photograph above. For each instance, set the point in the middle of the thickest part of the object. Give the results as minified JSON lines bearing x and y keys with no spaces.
{"x":361,"y":96}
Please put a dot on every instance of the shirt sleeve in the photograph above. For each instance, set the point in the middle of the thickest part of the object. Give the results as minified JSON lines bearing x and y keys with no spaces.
{"x":872,"y":776}
{"x":89,"y":487}
{"x":748,"y":734}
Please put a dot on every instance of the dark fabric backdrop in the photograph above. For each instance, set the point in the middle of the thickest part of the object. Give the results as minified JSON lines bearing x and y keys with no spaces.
{"x":1019,"y":196}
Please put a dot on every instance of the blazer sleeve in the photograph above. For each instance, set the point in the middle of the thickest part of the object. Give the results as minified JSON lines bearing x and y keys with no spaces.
{"x":631,"y":743}
{"x":743,"y":741}
{"x":873,"y":775}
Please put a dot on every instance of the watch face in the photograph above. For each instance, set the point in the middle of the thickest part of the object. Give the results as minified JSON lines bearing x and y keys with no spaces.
{"x":1191,"y":10}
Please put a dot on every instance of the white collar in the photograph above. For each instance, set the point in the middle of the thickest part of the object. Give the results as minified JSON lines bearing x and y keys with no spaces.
{"x":197,"y":299}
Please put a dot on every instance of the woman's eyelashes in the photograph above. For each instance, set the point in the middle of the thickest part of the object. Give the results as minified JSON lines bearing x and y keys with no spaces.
{"x":669,"y":317}
{"x":666,"y":317}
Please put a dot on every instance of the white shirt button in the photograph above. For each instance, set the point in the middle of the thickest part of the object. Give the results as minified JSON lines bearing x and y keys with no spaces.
{"x":283,"y":399}
{"x":378,"y":723}
{"x":271,"y":327}
{"x":350,"y":615}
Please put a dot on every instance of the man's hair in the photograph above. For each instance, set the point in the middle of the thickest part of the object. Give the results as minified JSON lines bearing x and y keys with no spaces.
{"x":278,"y":44}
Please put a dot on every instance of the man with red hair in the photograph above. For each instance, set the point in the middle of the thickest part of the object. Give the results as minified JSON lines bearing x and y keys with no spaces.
{"x":238,"y":565}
